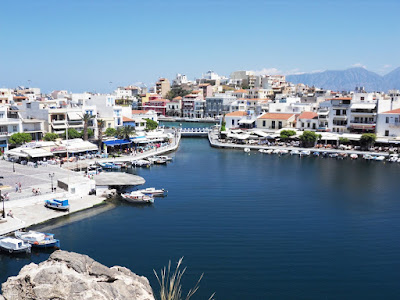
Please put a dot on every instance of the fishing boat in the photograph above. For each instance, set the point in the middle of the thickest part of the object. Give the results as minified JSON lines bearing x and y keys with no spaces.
{"x":57,"y":204}
{"x":154,"y":192}
{"x":247,"y":150}
{"x":160,"y":161}
{"x":165,"y":157}
{"x":137,"y":197}
{"x":110,"y":166}
{"x":379,"y":158}
{"x":305,"y":153}
{"x":316,"y":153}
{"x":14,"y":245}
{"x":141,"y":163}
{"x":353,"y":156}
{"x":295,"y":152}
{"x":38,"y":239}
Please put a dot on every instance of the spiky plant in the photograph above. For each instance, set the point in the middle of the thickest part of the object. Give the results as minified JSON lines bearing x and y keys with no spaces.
{"x":170,"y":283}
{"x":86,"y":118}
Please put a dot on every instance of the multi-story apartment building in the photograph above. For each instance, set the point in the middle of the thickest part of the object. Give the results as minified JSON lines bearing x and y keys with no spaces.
{"x":10,"y":123}
{"x":158,"y":105}
{"x":163,"y":87}
{"x":218,"y":104}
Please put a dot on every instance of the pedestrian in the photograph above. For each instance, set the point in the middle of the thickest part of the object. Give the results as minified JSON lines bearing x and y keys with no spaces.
{"x":19,"y":187}
{"x":10,"y":214}
{"x":16,"y":187}
{"x":38,"y":191}
{"x":34,"y":191}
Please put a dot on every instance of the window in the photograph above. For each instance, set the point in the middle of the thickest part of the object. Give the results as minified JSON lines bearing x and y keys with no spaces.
{"x":386,"y":132}
{"x":233,"y":122}
{"x":362,"y":98}
{"x":15,"y":128}
{"x":273,"y":125}
{"x":28,"y":105}
{"x":1,"y":115}
{"x":280,"y":124}
{"x":264,"y":123}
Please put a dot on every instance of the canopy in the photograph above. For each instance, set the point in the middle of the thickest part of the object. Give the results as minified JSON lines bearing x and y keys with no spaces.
{"x":260,"y":133}
{"x":16,"y":152}
{"x":363,"y":106}
{"x":74,"y":116}
{"x":117,"y":142}
{"x":36,"y":152}
{"x":247,"y":121}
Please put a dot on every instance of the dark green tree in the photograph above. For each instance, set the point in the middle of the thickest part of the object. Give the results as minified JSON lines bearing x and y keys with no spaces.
{"x":367,"y":140}
{"x":309,"y":138}
{"x":86,"y":119}
{"x":20,"y":138}
{"x":285,"y":134}
{"x":111,"y":132}
{"x":150,"y":124}
{"x":50,"y":136}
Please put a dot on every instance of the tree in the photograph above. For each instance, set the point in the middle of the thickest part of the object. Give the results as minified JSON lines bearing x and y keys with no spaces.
{"x":150,"y":124}
{"x":72,"y":134}
{"x":308,"y":138}
{"x":344,"y":141}
{"x":20,"y":138}
{"x":285,"y":134}
{"x":223,"y":123}
{"x":86,"y":118}
{"x":367,"y":140}
{"x":177,"y":92}
{"x":100,"y":126}
{"x":50,"y":136}
{"x":111,"y":131}
{"x":127,"y":131}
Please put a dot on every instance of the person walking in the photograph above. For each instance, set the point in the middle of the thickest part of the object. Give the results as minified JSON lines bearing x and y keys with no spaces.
{"x":19,"y":187}
{"x":16,"y":187}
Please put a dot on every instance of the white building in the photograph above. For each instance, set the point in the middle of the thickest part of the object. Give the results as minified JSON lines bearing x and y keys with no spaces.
{"x":388,"y":123}
{"x":218,"y":104}
{"x":232,"y":119}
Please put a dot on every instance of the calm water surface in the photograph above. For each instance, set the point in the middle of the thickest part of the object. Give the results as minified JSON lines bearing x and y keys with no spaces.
{"x":259,"y":226}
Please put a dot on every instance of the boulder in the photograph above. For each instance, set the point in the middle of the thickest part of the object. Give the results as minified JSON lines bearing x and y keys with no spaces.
{"x":69,"y":275}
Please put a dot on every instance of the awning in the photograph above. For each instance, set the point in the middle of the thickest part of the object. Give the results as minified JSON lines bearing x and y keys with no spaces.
{"x":260,"y":133}
{"x":16,"y":152}
{"x":117,"y":142}
{"x":323,"y":113}
{"x":36,"y":152}
{"x":246,"y":121}
{"x":75,"y":116}
{"x":363,"y":106}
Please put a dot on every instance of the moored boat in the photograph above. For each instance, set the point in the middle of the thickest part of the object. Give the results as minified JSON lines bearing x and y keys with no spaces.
{"x":246,"y":150}
{"x":379,"y":158}
{"x":295,"y":152}
{"x":316,"y":153}
{"x":165,"y":157}
{"x":353,"y":156}
{"x":160,"y":161}
{"x":14,"y":245}
{"x":269,"y":151}
{"x":38,"y":239}
{"x":137,"y":197}
{"x":153,"y":191}
{"x":305,"y":153}
{"x":141,"y":163}
{"x":57,"y":204}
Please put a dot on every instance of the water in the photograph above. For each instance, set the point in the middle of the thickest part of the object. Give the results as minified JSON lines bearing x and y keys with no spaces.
{"x":259,"y":226}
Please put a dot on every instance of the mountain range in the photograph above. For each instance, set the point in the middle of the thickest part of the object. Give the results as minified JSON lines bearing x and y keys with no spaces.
{"x":348,"y":80}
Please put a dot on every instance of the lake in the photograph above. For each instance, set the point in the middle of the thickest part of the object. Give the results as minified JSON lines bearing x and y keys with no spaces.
{"x":259,"y":226}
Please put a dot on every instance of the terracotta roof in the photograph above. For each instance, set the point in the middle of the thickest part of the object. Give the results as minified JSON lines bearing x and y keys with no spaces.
{"x":236,"y":114}
{"x":241,"y":91}
{"x":394,"y":111}
{"x":276,"y":116}
{"x":139,"y":112}
{"x":308,"y":115}
{"x":340,"y":98}
{"x":125,"y":119}
{"x":177,"y":98}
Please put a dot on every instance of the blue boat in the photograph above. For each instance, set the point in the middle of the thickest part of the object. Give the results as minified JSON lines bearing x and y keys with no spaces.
{"x":38,"y":239}
{"x":110,"y":166}
{"x":57,"y":204}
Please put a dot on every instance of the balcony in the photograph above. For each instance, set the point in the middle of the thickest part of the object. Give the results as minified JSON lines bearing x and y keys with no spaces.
{"x":363,"y":122}
{"x":364,"y":113}
{"x":4,"y":133}
{"x":340,"y":117}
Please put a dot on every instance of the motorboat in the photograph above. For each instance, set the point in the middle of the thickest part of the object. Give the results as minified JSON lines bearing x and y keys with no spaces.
{"x":316,"y":153}
{"x":94,"y":169}
{"x":305,"y":153}
{"x":333,"y":155}
{"x":141,"y":163}
{"x":38,"y":239}
{"x":57,"y":204}
{"x":122,"y":165}
{"x":342,"y":155}
{"x":261,"y":150}
{"x":367,"y":157}
{"x":14,"y":245}
{"x":276,"y":151}
{"x":379,"y":158}
{"x":164,"y":157}
{"x":393,"y":158}
{"x":137,"y":197}
{"x":269,"y":151}
{"x":110,"y":166}
{"x":153,"y":191}
{"x":295,"y":152}
{"x":160,"y":161}
{"x":283,"y":152}
{"x":353,"y":156}
{"x":247,"y":150}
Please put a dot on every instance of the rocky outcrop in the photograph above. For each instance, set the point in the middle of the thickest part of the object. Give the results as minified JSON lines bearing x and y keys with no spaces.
{"x":69,"y":275}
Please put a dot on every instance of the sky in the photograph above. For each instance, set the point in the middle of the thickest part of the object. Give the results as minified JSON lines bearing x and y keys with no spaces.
{"x":98,"y":45}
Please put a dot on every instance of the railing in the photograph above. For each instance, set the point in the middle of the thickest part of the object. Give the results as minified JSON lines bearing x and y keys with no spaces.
{"x":363,"y":122}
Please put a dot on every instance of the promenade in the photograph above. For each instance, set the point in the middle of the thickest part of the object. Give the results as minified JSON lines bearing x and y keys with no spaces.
{"x":213,"y":139}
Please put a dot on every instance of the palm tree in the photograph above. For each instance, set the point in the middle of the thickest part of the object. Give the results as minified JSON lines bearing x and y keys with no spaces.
{"x":100,"y":126}
{"x":119,"y":133}
{"x":86,"y":118}
{"x":127,"y":131}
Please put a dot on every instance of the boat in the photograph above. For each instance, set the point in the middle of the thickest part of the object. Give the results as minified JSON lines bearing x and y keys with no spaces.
{"x":342,"y":155}
{"x":141,"y":163}
{"x":93,"y":169}
{"x":261,"y":150}
{"x":367,"y":157}
{"x":122,"y":165}
{"x":353,"y":156}
{"x":333,"y":155}
{"x":164,"y":157}
{"x":316,"y":153}
{"x":295,"y":152}
{"x":137,"y":197}
{"x":247,"y":150}
{"x":305,"y":153}
{"x":110,"y":166}
{"x":379,"y":158}
{"x":57,"y":204}
{"x":154,"y":192}
{"x":38,"y":239}
{"x":159,"y":161}
{"x":276,"y":151}
{"x":269,"y":151}
{"x":14,"y":245}
{"x":283,"y":152}
{"x":393,"y":158}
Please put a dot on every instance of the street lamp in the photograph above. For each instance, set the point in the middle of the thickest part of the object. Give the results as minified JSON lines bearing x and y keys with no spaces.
{"x":51,"y":175}
{"x":4,"y":212}
{"x":13,"y":165}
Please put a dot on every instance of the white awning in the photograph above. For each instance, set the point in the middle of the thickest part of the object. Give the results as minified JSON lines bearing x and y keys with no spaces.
{"x":363,"y":106}
{"x":75,"y":116}
{"x":36,"y":152}
{"x":323,"y":113}
{"x":16,"y":152}
{"x":247,"y":121}
{"x":82,"y":146}
{"x":260,"y":133}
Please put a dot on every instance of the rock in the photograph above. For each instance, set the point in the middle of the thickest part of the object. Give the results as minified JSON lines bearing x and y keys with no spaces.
{"x":69,"y":275}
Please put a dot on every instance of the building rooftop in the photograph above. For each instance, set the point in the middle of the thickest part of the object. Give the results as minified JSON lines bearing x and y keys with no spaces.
{"x":276,"y":116}
{"x":308,"y":115}
{"x":394,"y":111}
{"x":236,"y":114}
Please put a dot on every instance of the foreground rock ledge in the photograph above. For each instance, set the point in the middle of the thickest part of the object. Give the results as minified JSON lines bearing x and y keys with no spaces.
{"x":69,"y":275}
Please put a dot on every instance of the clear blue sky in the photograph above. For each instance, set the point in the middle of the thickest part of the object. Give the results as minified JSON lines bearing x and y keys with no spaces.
{"x":82,"y":45}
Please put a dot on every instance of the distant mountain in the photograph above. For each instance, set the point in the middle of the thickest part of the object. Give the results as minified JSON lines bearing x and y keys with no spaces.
{"x":348,"y":80}
{"x":392,"y":79}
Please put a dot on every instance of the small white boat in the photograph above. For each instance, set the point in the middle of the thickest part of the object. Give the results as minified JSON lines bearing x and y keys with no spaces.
{"x":305,"y":153}
{"x":316,"y":153}
{"x":367,"y":157}
{"x":379,"y":158}
{"x":141,"y":163}
{"x":154,"y":192}
{"x":137,"y":197}
{"x":164,"y":157}
{"x":276,"y":151}
{"x":295,"y":152}
{"x":247,"y":150}
{"x":261,"y":150}
{"x":353,"y":156}
{"x":269,"y":151}
{"x":283,"y":152}
{"x":14,"y":245}
{"x":159,"y":161}
{"x":38,"y":239}
{"x":393,"y":158}
{"x":333,"y":155}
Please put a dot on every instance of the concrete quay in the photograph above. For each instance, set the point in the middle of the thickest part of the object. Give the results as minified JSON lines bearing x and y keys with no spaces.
{"x":213,"y":139}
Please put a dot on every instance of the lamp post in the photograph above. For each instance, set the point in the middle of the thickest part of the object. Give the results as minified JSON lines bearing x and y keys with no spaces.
{"x":13,"y":166}
{"x":4,"y":212}
{"x":51,"y":175}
